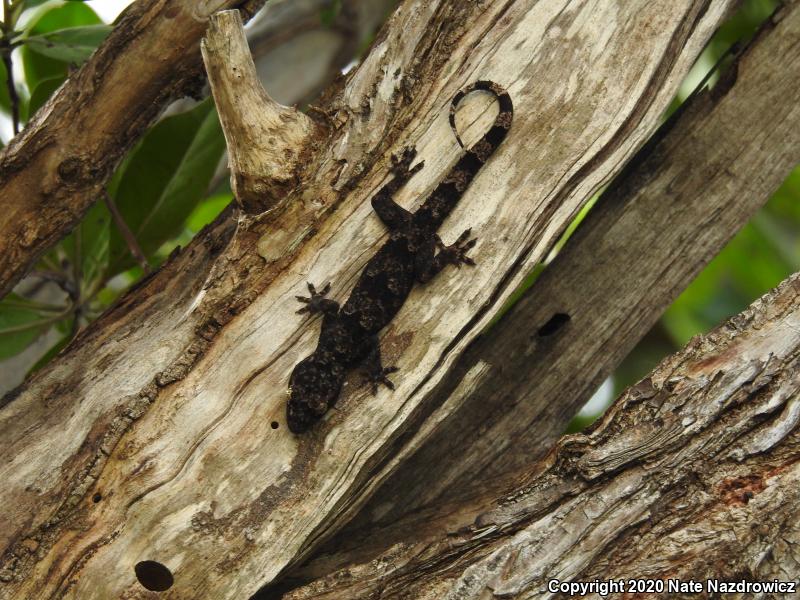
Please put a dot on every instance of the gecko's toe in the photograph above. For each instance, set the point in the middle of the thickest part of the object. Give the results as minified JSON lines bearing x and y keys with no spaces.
{"x":456,"y":253}
{"x":375,"y":378}
{"x":464,"y":235}
{"x":409,"y":152}
{"x":317,"y":302}
{"x":401,"y":163}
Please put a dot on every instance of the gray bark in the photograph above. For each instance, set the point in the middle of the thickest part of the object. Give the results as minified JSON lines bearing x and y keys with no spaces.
{"x":693,"y":474}
{"x":169,"y":409}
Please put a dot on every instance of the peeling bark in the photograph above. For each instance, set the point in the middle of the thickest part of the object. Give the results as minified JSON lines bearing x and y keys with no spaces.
{"x":170,"y":407}
{"x":681,"y":199}
{"x":700,"y":178}
{"x":286,"y":36}
{"x":49,"y":177}
{"x":693,"y":474}
{"x":171,"y":33}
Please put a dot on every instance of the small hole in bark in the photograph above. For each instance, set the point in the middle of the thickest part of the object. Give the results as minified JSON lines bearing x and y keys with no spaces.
{"x":153,"y":575}
{"x":556,"y":322}
{"x":274,"y":425}
{"x":97,"y":497}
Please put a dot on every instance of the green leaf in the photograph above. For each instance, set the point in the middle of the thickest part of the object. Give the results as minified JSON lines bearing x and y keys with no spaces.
{"x":32,"y":3}
{"x":207,"y":211}
{"x":5,"y":102}
{"x":88,"y":245}
{"x":165,"y":178}
{"x":20,"y":325}
{"x":38,"y":67}
{"x":41,"y":94}
{"x":70,"y":14}
{"x":73,"y":45}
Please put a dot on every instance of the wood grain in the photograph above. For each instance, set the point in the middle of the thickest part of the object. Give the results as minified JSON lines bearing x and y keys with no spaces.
{"x":698,"y":180}
{"x":681,"y":199}
{"x":165,"y":406}
{"x":267,"y":142}
{"x":49,"y":176}
{"x":693,"y":474}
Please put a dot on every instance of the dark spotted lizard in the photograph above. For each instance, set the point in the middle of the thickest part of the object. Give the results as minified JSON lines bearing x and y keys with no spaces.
{"x":349,"y":335}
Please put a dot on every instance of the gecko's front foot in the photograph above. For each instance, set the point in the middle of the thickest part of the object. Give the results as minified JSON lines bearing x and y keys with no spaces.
{"x":401,"y":163}
{"x":456,"y":253}
{"x":374,"y":377}
{"x":317,"y":302}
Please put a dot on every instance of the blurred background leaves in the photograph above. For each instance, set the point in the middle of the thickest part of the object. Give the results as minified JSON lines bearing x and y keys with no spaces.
{"x":761,"y":255}
{"x":171,"y":185}
{"x":161,"y":191}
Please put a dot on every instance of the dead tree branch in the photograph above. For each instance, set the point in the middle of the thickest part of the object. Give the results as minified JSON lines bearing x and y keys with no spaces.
{"x":49,"y":174}
{"x":266,"y":141}
{"x":169,"y":409}
{"x":664,"y":218}
{"x":693,"y":474}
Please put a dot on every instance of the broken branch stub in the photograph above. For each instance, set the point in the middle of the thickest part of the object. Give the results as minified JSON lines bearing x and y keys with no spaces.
{"x":265,"y":140}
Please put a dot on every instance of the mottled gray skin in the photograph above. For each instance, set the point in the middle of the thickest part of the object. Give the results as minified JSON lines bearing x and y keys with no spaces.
{"x":349,"y":335}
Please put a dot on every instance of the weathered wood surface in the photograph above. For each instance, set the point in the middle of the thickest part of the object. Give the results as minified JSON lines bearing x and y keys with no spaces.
{"x":286,"y":36}
{"x":693,"y":474}
{"x":681,"y":199}
{"x":164,"y":407}
{"x":43,"y":206}
{"x":49,"y":176}
{"x":267,"y":142}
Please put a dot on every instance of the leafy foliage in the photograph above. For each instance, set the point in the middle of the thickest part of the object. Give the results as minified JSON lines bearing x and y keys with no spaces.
{"x":166,"y":176}
{"x":21,"y":322}
{"x":48,"y":50}
{"x":72,"y":45}
{"x":163,"y":193}
{"x":161,"y":189}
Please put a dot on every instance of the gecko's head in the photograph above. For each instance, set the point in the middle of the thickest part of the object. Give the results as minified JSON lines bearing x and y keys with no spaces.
{"x":313,"y":388}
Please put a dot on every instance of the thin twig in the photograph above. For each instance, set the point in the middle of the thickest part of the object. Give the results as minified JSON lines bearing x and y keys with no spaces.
{"x":77,"y":277}
{"x":36,"y":324}
{"x":59,"y":279}
{"x":6,"y":49}
{"x":126,"y":233}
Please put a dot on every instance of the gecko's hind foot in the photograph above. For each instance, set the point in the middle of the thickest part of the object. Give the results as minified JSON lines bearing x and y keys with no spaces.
{"x":456,"y":253}
{"x":401,"y":163}
{"x":317,"y":302}
{"x":373,"y":378}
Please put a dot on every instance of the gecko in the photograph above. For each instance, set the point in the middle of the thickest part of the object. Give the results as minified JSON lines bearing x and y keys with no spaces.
{"x":414,"y":253}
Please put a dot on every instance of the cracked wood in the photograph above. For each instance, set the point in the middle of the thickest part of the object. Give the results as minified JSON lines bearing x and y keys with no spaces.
{"x":165,"y":405}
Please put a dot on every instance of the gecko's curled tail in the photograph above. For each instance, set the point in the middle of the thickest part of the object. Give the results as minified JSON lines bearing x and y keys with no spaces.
{"x":502,"y":122}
